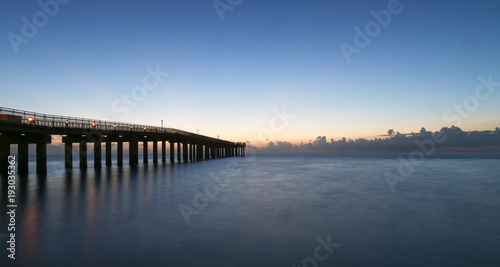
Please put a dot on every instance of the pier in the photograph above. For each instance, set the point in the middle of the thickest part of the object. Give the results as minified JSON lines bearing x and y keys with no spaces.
{"x":22,"y":128}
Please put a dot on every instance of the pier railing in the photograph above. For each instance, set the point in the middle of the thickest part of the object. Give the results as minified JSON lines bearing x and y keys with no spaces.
{"x":40,"y":119}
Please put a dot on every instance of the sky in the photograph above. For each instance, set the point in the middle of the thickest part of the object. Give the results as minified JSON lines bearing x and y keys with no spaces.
{"x":256,"y":70}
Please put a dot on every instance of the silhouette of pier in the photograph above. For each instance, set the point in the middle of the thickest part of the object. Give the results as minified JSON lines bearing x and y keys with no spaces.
{"x":24,"y":127}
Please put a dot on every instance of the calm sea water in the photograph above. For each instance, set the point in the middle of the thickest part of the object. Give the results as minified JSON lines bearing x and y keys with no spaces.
{"x":266,"y":210}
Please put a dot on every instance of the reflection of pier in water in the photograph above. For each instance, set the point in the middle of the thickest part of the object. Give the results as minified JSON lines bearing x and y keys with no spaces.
{"x":24,"y":128}
{"x":83,"y":201}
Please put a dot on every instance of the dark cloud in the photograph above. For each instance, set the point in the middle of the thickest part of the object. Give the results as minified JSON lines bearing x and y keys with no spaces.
{"x":447,"y":139}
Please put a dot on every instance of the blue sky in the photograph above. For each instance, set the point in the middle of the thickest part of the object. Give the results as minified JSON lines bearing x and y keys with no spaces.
{"x":225,"y":77}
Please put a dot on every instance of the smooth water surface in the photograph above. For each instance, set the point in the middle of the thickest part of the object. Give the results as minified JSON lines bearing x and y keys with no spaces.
{"x":262,"y":210}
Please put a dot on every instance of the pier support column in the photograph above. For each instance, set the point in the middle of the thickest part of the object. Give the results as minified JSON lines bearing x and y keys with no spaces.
{"x":172,"y":149}
{"x":212,"y":152}
{"x":185,"y":151}
{"x":133,"y":152}
{"x":163,"y":151}
{"x":83,"y":154}
{"x":199,"y":152}
{"x":179,"y":152}
{"x":68,"y":155}
{"x":190,"y":151}
{"x":41,"y":157}
{"x":207,"y":152}
{"x":97,"y":155}
{"x":4,"y":157}
{"x":145,"y":152}
{"x":155,"y":152}
{"x":108,"y":153}
{"x":193,"y":152}
{"x":23,"y":157}
{"x":119,"y":153}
